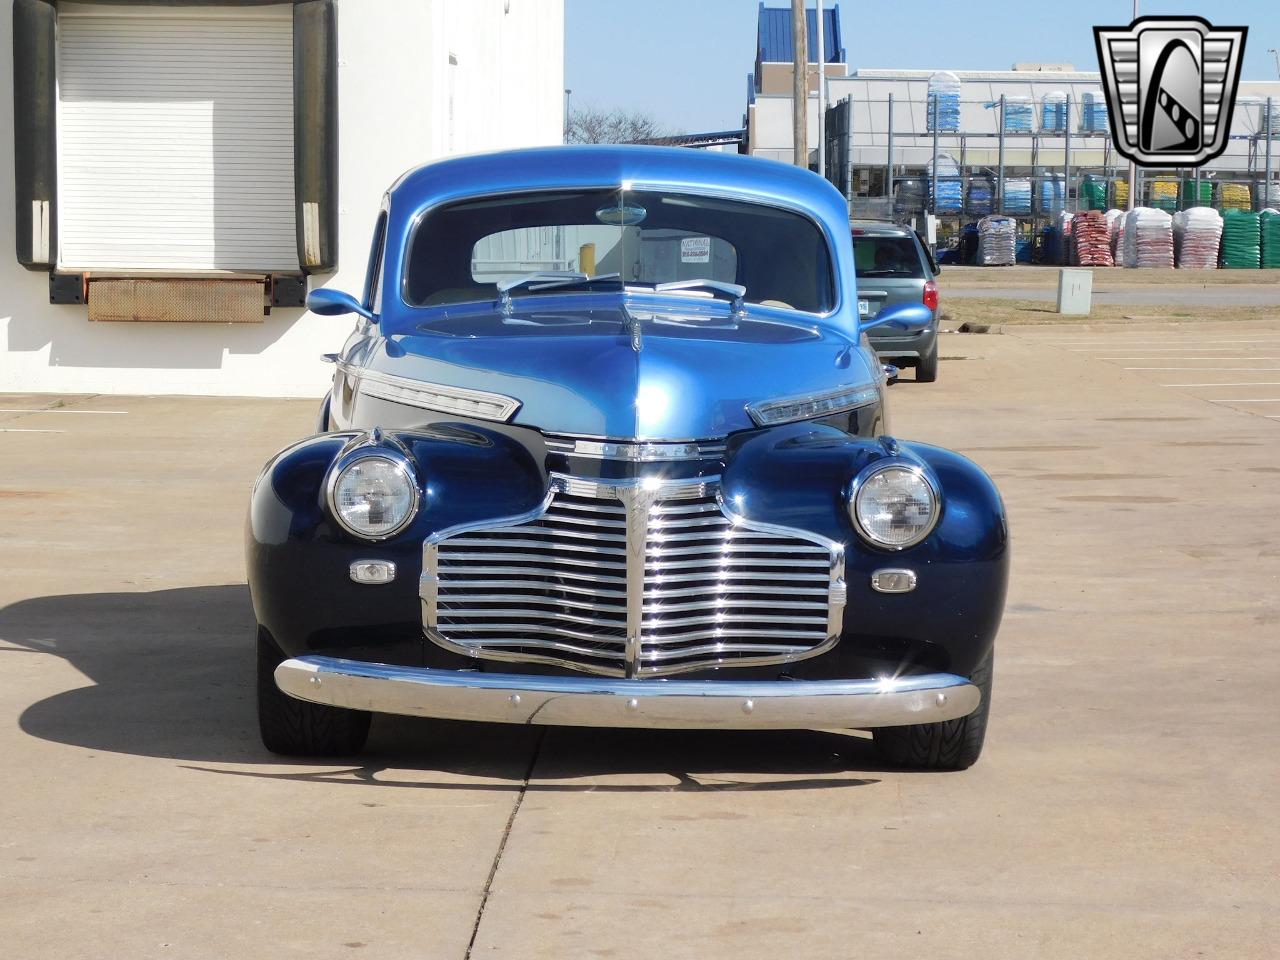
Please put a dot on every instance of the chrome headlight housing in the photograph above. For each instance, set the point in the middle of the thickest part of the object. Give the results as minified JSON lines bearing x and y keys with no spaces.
{"x":374,"y":495}
{"x":894,"y":505}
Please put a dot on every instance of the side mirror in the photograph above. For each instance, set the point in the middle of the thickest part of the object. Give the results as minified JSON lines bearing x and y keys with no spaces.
{"x":900,"y":316}
{"x":334,"y":303}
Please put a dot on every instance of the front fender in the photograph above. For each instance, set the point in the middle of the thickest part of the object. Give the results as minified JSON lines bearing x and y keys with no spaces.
{"x":800,"y":476}
{"x":298,"y":558}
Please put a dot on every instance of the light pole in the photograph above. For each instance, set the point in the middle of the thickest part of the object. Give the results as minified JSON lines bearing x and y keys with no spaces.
{"x":1133,"y":167}
{"x":822,"y":97}
{"x":799,"y":83}
{"x":1276,"y":53}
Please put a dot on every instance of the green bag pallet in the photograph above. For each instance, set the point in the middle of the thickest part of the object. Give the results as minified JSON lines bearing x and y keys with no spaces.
{"x":1241,"y":240}
{"x":1270,"y":240}
{"x":1093,"y":195}
{"x":1189,"y":194}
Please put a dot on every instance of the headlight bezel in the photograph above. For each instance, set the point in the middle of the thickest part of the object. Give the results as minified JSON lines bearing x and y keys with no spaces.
{"x":403,"y":465}
{"x":857,"y":487}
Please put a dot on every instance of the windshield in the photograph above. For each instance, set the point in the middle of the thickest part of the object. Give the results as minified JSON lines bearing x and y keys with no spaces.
{"x":887,"y":257}
{"x":534,"y":244}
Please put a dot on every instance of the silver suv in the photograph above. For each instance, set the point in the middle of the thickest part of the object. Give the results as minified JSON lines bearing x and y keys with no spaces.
{"x":894,"y":266}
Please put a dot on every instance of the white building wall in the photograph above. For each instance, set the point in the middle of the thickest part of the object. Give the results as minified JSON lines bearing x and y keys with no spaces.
{"x":395,"y":80}
{"x":771,"y":127}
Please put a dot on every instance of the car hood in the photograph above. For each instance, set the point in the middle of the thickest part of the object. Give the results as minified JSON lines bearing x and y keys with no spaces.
{"x":621,"y":368}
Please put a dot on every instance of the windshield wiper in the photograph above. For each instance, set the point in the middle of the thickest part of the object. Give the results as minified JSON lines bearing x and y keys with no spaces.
{"x":735,"y":290}
{"x":546,"y":280}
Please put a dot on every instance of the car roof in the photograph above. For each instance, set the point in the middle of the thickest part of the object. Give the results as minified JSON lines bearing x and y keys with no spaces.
{"x":675,"y":168}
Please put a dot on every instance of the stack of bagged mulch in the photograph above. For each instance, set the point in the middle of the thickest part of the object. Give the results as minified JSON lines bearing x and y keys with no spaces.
{"x":1270,"y":239}
{"x":1092,"y":239}
{"x":1241,"y":240}
{"x":1115,"y":226}
{"x":1148,"y":238}
{"x":1197,"y":234}
{"x":1234,"y":196}
{"x":997,"y":241}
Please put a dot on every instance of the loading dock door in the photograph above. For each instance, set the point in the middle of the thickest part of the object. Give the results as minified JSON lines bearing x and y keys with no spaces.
{"x":176,"y":140}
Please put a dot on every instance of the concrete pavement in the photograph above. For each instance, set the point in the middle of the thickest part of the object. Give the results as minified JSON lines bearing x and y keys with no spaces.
{"x":1105,"y":292}
{"x":1124,"y":806}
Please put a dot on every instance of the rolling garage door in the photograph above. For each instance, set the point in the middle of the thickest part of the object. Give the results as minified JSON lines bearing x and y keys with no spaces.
{"x":176,"y":140}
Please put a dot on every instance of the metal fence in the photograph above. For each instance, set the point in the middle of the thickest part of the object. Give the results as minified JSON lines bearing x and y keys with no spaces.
{"x":1029,"y":158}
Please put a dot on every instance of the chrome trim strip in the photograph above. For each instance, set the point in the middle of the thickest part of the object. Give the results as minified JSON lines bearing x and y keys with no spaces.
{"x":588,"y":702}
{"x":643,"y":451}
{"x":442,"y":398}
{"x":770,"y":413}
{"x":616,"y":489}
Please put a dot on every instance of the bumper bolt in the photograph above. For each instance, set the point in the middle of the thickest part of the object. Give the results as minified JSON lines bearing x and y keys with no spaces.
{"x":514,"y":700}
{"x":633,"y":705}
{"x":942,"y":698}
{"x":748,"y":706}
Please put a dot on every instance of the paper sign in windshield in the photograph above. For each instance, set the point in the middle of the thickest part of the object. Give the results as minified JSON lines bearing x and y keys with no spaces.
{"x":695,"y":250}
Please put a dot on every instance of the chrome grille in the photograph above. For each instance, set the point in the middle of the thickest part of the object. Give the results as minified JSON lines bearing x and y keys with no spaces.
{"x":719,"y":589}
{"x":633,"y":580}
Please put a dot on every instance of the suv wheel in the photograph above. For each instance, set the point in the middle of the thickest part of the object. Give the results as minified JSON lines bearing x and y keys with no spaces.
{"x":927,"y":366}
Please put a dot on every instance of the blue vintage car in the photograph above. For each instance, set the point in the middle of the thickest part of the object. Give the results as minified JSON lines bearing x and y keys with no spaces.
{"x":608,"y":447}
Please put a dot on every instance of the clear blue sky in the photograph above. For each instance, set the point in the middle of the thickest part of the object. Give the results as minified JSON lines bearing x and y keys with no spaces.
{"x":686,"y":61}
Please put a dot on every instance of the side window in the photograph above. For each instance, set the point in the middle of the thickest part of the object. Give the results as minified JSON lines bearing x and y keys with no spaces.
{"x":373,"y":275}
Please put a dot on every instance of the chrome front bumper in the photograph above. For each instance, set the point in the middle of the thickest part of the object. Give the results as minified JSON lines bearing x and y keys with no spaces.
{"x":601,"y":702}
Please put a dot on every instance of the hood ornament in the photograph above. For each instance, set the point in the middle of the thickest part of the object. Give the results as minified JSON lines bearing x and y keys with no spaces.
{"x":633,"y":326}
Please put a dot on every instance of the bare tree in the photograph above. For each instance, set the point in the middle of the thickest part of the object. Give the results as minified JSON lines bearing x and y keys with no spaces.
{"x":597,"y":125}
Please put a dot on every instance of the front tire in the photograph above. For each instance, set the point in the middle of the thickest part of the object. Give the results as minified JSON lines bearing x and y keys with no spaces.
{"x":949,"y":745}
{"x":296,"y":728}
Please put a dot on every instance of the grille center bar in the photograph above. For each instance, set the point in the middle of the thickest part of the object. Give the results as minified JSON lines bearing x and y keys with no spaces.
{"x":637,"y":500}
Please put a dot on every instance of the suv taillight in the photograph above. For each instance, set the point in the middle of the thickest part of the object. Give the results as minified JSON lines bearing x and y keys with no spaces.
{"x":931,"y":294}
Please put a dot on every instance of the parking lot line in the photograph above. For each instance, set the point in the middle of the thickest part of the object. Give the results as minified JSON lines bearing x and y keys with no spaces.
{"x":58,"y":410}
{"x":1212,"y":369}
{"x":1117,"y":338}
{"x":1231,"y":345}
{"x":1238,"y":383}
{"x":27,"y":430}
{"x":1187,"y":358}
{"x":1250,"y":400}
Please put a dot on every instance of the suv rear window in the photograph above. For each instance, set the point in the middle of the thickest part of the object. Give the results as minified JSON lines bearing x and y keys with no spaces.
{"x":896,"y":257}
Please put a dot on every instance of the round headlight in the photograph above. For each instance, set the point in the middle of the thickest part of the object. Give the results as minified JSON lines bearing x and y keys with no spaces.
{"x":374,"y":497}
{"x":894,"y":506}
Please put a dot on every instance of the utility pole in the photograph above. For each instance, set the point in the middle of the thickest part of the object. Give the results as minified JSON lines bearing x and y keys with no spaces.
{"x":1133,"y":167}
{"x":800,"y":84}
{"x":822,"y":97}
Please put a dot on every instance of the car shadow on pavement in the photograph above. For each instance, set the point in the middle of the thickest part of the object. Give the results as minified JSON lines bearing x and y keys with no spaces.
{"x":172,"y":675}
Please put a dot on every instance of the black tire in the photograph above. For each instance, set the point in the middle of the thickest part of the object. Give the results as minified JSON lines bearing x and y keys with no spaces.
{"x":927,"y":366}
{"x":950,"y":745}
{"x":296,"y":728}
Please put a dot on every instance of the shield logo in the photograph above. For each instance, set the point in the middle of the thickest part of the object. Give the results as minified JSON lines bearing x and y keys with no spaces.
{"x":1171,"y":87}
